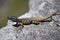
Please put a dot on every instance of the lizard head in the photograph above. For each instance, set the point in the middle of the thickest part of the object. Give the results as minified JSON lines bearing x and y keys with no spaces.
{"x":13,"y":18}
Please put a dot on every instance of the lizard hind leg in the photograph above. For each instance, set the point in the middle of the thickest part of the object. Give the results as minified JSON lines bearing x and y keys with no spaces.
{"x":35,"y":23}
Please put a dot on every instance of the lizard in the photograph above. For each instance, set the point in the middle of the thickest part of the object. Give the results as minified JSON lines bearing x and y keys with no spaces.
{"x":27,"y":21}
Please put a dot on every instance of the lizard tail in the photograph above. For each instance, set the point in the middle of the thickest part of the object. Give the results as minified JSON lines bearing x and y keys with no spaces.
{"x":45,"y":18}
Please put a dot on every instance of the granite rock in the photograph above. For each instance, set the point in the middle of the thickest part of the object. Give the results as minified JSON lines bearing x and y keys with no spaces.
{"x":43,"y":31}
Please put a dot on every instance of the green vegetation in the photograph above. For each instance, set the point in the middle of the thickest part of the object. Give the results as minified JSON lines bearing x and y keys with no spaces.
{"x":17,"y":8}
{"x":3,"y":23}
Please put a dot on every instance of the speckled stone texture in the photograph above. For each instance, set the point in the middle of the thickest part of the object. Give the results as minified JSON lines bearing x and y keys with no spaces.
{"x":43,"y":31}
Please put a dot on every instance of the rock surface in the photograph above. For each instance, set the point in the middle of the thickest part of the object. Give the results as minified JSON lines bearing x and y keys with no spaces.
{"x":43,"y":31}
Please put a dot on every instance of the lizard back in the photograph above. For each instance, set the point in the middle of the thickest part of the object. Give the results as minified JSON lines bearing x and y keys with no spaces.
{"x":25,"y":21}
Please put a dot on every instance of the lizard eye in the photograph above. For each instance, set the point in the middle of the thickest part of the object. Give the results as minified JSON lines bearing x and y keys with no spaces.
{"x":13,"y":18}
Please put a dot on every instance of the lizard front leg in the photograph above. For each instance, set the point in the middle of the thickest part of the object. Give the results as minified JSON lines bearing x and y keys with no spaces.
{"x":18,"y":24}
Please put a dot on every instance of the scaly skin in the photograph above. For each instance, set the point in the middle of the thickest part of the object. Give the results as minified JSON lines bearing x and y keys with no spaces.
{"x":27,"y":21}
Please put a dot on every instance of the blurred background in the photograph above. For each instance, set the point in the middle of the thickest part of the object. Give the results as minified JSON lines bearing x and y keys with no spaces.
{"x":11,"y":8}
